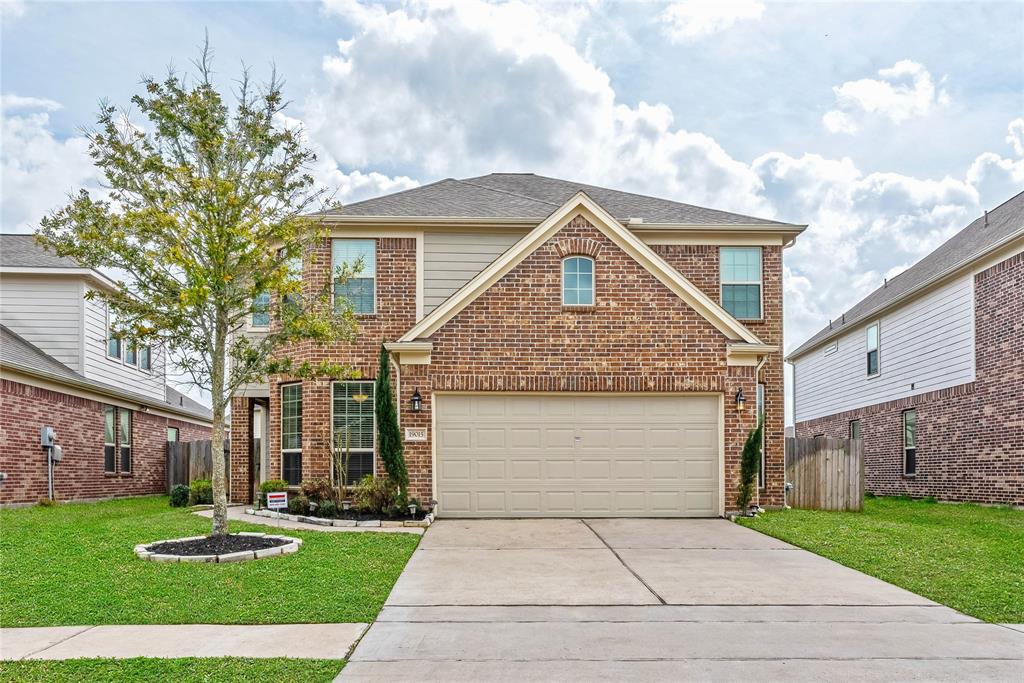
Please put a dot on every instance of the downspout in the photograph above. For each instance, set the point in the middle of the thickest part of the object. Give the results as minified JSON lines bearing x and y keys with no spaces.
{"x":398,"y":388}
{"x":757,"y":380}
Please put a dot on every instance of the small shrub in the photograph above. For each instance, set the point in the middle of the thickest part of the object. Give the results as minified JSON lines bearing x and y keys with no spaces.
{"x":375,"y":494}
{"x":327,"y":508}
{"x":47,"y":503}
{"x":179,"y":496}
{"x":201,"y":492}
{"x":319,"y":490}
{"x":272,"y":485}
{"x":298,"y":505}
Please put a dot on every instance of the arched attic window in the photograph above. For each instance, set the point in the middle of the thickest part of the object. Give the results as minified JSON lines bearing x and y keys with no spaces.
{"x":577,"y":281}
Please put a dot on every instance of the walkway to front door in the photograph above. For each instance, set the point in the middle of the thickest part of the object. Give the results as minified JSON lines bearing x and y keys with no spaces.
{"x":618,"y":599}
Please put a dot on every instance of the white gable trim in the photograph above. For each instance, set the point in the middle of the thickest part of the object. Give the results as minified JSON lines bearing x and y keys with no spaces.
{"x":581,"y":203}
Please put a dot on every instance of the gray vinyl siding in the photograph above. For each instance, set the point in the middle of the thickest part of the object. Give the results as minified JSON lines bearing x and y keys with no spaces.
{"x":928,"y":342}
{"x":451,"y":259}
{"x":112,"y":371}
{"x":47,"y":312}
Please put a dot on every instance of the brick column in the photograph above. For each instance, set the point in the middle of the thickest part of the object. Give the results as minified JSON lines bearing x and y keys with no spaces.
{"x":241,"y":446}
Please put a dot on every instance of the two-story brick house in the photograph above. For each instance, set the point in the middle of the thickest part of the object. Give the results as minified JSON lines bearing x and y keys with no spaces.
{"x":574,"y":351}
{"x":927,"y":370}
{"x":59,"y":367}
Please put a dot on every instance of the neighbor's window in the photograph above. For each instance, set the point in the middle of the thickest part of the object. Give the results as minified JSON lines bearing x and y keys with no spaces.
{"x":578,"y":281}
{"x":760,"y":415}
{"x":741,"y":282}
{"x":131,"y":356}
{"x":359,"y":289}
{"x":109,"y":446}
{"x":124,"y":419}
{"x":146,"y":358}
{"x":294,"y":266}
{"x":113,"y":343}
{"x":354,"y":426}
{"x":291,"y":434}
{"x":910,"y":442}
{"x":172,"y":434}
{"x":261,"y":310}
{"x":855,"y":429}
{"x":872,"y":353}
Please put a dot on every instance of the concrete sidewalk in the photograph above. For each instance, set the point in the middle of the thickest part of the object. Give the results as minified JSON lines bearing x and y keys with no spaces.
{"x":307,"y":641}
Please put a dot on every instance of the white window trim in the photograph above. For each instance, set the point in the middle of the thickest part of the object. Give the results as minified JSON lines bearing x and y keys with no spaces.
{"x":372,"y":451}
{"x":131,"y":438}
{"x":593,"y":276}
{"x":903,"y":422}
{"x":124,"y":358}
{"x":250,"y":326}
{"x":280,"y":430}
{"x":356,"y":239}
{"x":722,"y":282}
{"x":878,"y":347}
{"x":148,"y":370}
{"x":113,"y":444}
{"x":107,"y":338}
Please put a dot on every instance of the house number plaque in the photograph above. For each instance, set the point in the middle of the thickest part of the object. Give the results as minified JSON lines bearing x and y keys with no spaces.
{"x":415,"y":433}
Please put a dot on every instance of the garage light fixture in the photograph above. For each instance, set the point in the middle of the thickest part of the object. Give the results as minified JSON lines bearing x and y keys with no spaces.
{"x":417,"y":401}
{"x":740,"y":400}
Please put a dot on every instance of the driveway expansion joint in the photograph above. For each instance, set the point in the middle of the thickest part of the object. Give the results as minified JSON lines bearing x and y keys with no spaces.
{"x":619,"y":558}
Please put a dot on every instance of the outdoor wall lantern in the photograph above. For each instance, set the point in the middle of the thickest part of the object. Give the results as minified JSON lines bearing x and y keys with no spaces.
{"x":740,"y":400}
{"x":417,"y":401}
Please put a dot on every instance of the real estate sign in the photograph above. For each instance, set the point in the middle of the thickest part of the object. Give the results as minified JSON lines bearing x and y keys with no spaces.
{"x":277,"y":500}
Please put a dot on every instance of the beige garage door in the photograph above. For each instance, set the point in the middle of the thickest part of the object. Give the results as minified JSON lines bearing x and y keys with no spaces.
{"x":523,"y":455}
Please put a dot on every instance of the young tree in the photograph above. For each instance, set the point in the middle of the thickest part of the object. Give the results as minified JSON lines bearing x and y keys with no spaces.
{"x":388,"y":434}
{"x":750,"y":463}
{"x":206,"y":216}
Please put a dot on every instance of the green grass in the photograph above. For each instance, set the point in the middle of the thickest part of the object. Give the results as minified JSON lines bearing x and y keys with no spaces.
{"x":212,"y":670}
{"x":965,"y":556}
{"x":74,"y":564}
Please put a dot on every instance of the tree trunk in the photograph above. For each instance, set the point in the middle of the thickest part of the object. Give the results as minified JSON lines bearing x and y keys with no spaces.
{"x":220,"y":497}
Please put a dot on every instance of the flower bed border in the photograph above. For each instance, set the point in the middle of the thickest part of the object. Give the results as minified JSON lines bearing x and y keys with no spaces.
{"x":322,"y":521}
{"x":143,"y":552}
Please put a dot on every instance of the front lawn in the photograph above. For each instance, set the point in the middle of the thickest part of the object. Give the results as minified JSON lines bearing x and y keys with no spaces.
{"x":965,"y":556}
{"x":74,"y":564}
{"x":209,"y":670}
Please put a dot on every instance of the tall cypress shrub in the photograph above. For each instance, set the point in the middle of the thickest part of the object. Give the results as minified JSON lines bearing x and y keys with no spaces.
{"x":750,"y":463}
{"x":389,"y":437}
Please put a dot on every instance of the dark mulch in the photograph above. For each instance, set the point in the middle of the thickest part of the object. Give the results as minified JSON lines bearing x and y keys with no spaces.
{"x":216,"y":545}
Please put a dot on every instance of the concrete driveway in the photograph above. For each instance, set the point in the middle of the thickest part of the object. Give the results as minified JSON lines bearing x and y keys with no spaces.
{"x":655,"y":599}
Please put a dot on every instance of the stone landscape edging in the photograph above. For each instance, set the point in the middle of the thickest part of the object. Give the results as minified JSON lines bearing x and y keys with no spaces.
{"x":143,"y":552}
{"x":320,"y":521}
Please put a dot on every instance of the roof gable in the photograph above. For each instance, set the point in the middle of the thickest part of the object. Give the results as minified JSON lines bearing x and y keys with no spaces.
{"x":581,"y":203}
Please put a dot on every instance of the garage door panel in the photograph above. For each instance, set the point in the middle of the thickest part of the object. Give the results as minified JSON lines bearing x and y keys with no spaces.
{"x":505,"y":455}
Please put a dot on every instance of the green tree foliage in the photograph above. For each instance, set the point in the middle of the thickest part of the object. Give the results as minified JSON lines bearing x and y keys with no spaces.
{"x":207,"y":210}
{"x":750,"y":464}
{"x":389,"y":436}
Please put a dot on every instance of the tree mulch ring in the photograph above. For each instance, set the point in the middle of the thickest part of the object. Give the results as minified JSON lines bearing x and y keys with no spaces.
{"x":217,"y":545}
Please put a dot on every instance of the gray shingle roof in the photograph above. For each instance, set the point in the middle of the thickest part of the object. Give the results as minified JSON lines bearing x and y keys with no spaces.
{"x":23,"y":251}
{"x":16,"y":352}
{"x":1004,"y":222}
{"x":525,"y":195}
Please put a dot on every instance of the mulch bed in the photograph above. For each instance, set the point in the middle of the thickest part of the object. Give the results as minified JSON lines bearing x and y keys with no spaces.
{"x":217,"y":545}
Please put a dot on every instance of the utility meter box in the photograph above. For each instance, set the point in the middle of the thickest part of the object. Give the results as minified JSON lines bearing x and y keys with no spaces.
{"x":47,"y":437}
{"x":56,"y":453}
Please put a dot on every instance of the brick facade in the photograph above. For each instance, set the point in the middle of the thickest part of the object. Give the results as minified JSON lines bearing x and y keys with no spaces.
{"x":516,"y":336}
{"x":25,"y":409}
{"x":970,"y":438}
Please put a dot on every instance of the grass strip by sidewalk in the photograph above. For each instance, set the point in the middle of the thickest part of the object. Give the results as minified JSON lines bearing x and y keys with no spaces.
{"x":968,"y":557}
{"x":74,"y":564}
{"x":207,"y":670}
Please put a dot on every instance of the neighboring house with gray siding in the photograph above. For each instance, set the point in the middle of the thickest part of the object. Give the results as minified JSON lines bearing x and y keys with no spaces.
{"x":925,"y":368}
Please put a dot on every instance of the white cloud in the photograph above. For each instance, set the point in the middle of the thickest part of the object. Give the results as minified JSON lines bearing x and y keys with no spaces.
{"x":1015,"y":136}
{"x":902,"y":92}
{"x":38,"y":170}
{"x":691,"y":20}
{"x":12,"y":102}
{"x":11,"y":9}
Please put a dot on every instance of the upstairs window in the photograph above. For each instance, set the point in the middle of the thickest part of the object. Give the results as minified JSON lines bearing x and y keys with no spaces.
{"x":261,"y":311}
{"x":578,"y":281}
{"x":145,"y":358}
{"x":291,"y":434}
{"x":131,"y":356}
{"x":872,"y":350}
{"x":109,"y":446}
{"x":741,"y":282}
{"x":113,"y":343}
{"x":353,"y":420}
{"x":910,"y":443}
{"x":360,"y":289}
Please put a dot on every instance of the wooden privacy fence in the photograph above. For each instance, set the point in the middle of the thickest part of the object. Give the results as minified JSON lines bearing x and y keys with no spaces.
{"x":825,"y":474}
{"x":191,"y":460}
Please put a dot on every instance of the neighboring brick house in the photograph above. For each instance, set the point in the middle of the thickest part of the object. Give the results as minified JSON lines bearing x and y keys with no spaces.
{"x":928,"y":370}
{"x":577,"y":351}
{"x":110,"y":406}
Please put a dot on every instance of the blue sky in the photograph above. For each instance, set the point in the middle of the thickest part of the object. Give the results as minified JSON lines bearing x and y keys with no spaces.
{"x":885,"y":126}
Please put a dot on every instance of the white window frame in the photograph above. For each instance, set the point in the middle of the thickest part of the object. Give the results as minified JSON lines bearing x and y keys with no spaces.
{"x":373,"y":450}
{"x":371,"y":240}
{"x":251,"y":321}
{"x":149,"y":352}
{"x":124,"y":357}
{"x":280,"y":428}
{"x":593,"y":283}
{"x":121,"y":446}
{"x":878,"y":348}
{"x":722,"y":282}
{"x":109,"y":338}
{"x":112,"y":444}
{"x":903,"y":422}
